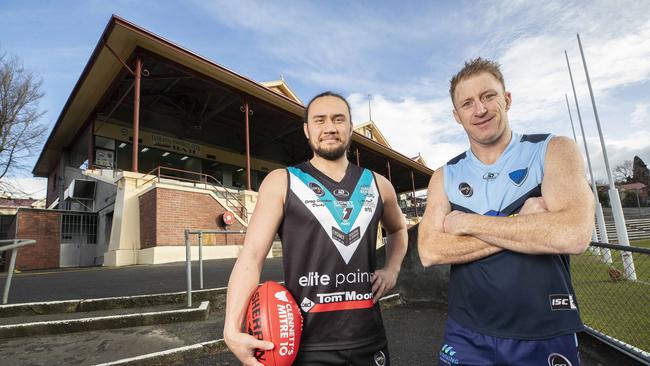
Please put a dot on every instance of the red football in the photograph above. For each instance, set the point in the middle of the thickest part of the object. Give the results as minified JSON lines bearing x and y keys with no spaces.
{"x":273,"y":315}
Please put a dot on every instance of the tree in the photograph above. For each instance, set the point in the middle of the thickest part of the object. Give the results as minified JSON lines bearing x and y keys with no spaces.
{"x":21,"y":134}
{"x":623,"y":173}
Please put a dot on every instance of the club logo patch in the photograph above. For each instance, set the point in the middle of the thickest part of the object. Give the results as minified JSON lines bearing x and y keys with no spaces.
{"x":465,"y":189}
{"x":556,"y":359}
{"x":317,"y":189}
{"x":518,"y":176}
{"x":562,"y":302}
{"x":490,"y":176}
{"x":380,"y":358}
{"x":339,"y":192}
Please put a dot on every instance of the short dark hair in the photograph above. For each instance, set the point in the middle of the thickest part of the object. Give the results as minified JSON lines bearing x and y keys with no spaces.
{"x":327,"y":94}
{"x":474,"y":67}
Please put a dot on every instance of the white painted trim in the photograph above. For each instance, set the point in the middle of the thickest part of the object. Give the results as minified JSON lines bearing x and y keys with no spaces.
{"x":196,"y":346}
{"x":203,"y":307}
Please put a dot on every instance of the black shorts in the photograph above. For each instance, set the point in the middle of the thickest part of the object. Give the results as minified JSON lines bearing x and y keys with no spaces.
{"x":371,"y":355}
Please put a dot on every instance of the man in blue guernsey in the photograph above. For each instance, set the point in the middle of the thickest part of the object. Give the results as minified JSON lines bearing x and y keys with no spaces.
{"x":327,"y":212}
{"x":506,"y":214}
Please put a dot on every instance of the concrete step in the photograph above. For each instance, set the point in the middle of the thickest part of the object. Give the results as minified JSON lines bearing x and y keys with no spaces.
{"x":108,"y":345}
{"x":217,"y":297}
{"x":108,"y":319}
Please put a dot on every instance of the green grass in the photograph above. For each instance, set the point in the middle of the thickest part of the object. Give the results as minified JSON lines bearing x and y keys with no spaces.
{"x":620,"y":308}
{"x":641,"y":243}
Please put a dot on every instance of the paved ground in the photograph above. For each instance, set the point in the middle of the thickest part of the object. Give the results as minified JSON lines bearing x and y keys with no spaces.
{"x":414,"y":330}
{"x":97,"y":282}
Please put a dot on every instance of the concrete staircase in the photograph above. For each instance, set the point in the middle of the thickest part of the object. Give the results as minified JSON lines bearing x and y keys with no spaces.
{"x":637,"y":229}
{"x":139,"y":330}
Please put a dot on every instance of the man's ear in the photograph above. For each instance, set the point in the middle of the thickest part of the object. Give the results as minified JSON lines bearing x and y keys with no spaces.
{"x":508,"y":98}
{"x":305,"y":130}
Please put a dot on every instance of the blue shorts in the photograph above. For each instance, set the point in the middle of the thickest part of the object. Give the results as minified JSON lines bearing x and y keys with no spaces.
{"x":462,"y":346}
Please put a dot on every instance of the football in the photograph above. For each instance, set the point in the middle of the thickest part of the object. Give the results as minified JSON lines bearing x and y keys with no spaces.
{"x":273,"y":315}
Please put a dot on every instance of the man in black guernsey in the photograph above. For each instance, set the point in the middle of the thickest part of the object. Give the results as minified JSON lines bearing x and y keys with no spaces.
{"x":327,"y":212}
{"x":506,"y":214}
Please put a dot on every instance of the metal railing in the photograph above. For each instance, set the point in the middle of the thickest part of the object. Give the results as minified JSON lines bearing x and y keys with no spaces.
{"x":612,"y":285}
{"x":13,"y":245}
{"x":188,"y":256}
{"x":231,"y":200}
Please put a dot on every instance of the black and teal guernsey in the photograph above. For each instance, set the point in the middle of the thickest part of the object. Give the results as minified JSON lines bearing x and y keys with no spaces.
{"x":329,"y":235}
{"x":508,"y":294}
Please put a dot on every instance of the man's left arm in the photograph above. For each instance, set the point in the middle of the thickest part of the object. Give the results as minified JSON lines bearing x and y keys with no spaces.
{"x":383,"y":280}
{"x":563,"y":226}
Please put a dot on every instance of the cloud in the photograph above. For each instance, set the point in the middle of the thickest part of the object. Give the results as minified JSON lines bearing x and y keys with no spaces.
{"x":24,"y":187}
{"x":414,"y":126}
{"x":639,"y":118}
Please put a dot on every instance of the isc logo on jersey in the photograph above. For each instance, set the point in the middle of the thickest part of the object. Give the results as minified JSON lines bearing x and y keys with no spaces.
{"x":562,"y":302}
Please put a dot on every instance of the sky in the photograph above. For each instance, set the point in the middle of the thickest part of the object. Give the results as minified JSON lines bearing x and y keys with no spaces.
{"x":401,"y":53}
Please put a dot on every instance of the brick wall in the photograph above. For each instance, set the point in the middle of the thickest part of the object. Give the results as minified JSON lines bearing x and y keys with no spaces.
{"x":43,"y":226}
{"x":166,"y":213}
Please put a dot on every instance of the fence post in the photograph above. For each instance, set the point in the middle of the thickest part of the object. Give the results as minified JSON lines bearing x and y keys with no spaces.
{"x":188,"y":267}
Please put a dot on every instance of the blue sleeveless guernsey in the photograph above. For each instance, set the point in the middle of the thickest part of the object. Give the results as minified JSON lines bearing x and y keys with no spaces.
{"x":329,"y":235}
{"x":508,"y":294}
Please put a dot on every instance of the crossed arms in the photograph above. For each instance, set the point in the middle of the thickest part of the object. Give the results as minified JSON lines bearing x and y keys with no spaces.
{"x":560,"y":221}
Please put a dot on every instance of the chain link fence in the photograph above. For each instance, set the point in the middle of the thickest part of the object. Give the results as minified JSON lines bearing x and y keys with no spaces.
{"x":612,"y":285}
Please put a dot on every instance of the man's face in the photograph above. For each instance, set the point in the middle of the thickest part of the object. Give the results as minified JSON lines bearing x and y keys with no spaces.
{"x":328,"y":127}
{"x":481,"y":106}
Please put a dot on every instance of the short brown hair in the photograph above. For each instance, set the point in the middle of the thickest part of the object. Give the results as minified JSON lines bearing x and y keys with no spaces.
{"x":475,"y":67}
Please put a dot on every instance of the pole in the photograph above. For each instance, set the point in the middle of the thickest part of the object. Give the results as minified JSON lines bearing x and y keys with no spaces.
{"x":388,"y":167}
{"x":201,"y":260}
{"x":600,"y":217}
{"x":356,"y":150}
{"x":10,"y":273}
{"x":415,"y":202}
{"x":188,"y":268}
{"x":573,"y":129}
{"x":614,"y":197}
{"x":136,"y":114}
{"x":248,"y":146}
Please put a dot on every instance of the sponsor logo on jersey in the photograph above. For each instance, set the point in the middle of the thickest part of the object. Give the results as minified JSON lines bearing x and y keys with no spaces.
{"x":317,"y":189}
{"x":337,"y":301}
{"x":490,"y":176}
{"x":562,"y":302}
{"x":518,"y":176}
{"x":556,"y":359}
{"x":465,"y":189}
{"x":447,"y":355}
{"x":380,"y":358}
{"x":340,"y":192}
{"x":306,"y":304}
{"x":346,"y":239}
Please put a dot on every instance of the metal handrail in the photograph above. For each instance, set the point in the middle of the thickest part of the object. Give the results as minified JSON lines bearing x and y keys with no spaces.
{"x":188,"y":256}
{"x":228,"y":196}
{"x":13,"y":245}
